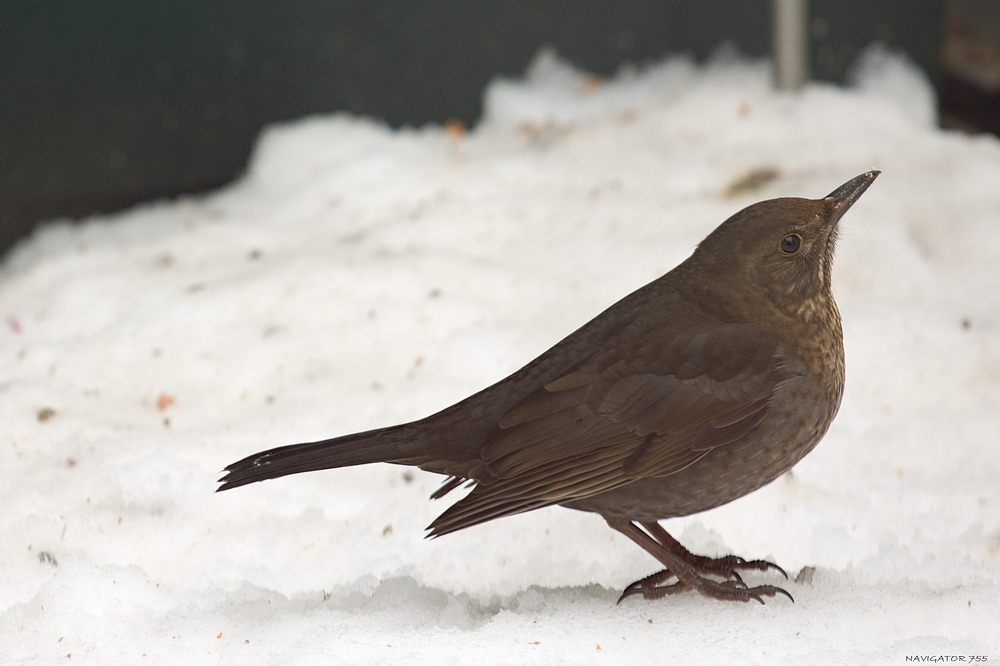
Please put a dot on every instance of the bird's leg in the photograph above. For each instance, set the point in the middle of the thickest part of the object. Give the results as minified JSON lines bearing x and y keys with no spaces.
{"x":688,"y":569}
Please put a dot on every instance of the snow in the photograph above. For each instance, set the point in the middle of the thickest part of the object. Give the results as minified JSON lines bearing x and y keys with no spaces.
{"x":359,"y":276}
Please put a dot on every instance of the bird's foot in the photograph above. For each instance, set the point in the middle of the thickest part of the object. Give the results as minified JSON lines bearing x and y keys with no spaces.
{"x":727,"y":567}
{"x":728,"y":590}
{"x":650,"y":588}
{"x":692,"y":571}
{"x":732,"y":590}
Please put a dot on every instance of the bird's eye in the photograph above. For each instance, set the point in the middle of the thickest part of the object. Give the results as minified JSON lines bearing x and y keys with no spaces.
{"x":791,"y":243}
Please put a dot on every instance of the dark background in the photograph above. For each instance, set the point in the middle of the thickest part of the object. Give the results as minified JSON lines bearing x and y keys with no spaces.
{"x":104,"y":104}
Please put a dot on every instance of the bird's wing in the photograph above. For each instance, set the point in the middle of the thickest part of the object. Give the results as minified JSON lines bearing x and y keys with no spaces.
{"x":610,"y":421}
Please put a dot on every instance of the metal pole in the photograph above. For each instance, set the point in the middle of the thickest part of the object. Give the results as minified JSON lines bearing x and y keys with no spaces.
{"x":791,"y":43}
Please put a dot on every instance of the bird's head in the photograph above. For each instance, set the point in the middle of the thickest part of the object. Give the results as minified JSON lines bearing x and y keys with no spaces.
{"x":782,"y":250}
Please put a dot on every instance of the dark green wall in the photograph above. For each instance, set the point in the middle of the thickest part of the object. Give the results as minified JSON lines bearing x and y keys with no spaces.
{"x":103,"y":104}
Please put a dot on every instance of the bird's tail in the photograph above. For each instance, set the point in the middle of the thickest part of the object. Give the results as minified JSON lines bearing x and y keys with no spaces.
{"x":381,"y":445}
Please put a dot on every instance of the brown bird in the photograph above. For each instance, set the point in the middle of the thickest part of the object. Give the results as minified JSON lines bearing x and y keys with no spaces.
{"x":697,"y":389}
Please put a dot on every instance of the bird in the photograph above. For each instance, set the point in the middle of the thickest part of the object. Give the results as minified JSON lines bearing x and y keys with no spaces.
{"x":698,"y":388}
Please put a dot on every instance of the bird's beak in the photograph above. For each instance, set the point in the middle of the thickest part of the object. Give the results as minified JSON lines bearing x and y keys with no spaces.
{"x":844,"y":196}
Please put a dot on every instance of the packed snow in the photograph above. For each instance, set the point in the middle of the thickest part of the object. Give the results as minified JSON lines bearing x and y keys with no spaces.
{"x":359,"y":276}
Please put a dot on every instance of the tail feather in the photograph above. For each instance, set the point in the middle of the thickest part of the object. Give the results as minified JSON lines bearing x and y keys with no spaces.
{"x":381,"y":445}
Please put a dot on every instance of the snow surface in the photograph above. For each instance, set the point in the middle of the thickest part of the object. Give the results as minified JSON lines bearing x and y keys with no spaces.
{"x":359,"y":276}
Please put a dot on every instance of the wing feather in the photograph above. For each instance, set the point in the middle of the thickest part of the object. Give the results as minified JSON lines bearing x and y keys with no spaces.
{"x":599,"y":427}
